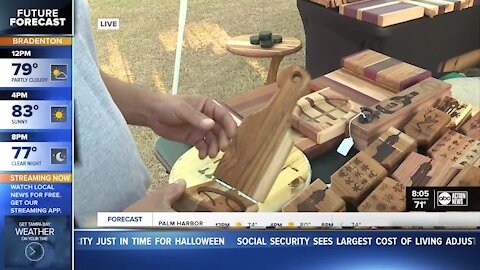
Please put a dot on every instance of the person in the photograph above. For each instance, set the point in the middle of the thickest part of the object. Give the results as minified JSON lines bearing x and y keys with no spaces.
{"x":109,"y":174}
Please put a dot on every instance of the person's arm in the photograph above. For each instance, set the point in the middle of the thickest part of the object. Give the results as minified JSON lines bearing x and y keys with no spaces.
{"x":198,"y":121}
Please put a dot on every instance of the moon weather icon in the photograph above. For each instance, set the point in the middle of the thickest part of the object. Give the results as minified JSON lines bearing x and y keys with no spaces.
{"x":58,"y":156}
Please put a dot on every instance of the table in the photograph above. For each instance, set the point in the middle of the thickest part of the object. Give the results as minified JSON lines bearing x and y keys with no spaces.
{"x":241,"y":46}
{"x":425,"y":42}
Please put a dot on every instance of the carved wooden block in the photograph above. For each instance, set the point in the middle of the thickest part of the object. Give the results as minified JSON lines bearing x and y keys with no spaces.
{"x":323,"y":115}
{"x":213,"y":197}
{"x":459,"y":111}
{"x":456,"y":147}
{"x":472,"y":127}
{"x":391,"y":148}
{"x":315,"y":198}
{"x":382,"y":12}
{"x":398,"y":110}
{"x":385,"y":70}
{"x":389,"y":196}
{"x":427,"y":126}
{"x":357,"y":178}
{"x":419,"y":170}
{"x":256,"y":155}
{"x":467,"y":177}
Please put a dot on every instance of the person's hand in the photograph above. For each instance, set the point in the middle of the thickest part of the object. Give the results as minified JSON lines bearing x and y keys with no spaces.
{"x":194,"y":120}
{"x":160,"y":200}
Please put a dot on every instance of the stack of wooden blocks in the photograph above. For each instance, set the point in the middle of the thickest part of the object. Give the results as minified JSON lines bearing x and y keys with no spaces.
{"x":420,"y":136}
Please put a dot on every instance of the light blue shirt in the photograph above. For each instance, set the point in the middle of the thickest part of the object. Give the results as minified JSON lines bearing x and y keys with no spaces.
{"x":109,"y":174}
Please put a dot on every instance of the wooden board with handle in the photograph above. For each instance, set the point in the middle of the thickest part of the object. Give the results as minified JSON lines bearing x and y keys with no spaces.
{"x":398,"y":110}
{"x":315,"y":198}
{"x":388,"y":196}
{"x":385,"y":70}
{"x":427,"y":126}
{"x":256,"y":155}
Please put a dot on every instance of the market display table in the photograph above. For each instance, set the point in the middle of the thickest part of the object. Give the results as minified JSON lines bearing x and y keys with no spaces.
{"x":426,"y":42}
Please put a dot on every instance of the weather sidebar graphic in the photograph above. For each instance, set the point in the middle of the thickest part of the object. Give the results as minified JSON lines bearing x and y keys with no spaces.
{"x":36,"y":149}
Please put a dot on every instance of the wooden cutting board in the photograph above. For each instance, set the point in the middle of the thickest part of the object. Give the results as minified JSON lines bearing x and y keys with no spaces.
{"x":257,"y":154}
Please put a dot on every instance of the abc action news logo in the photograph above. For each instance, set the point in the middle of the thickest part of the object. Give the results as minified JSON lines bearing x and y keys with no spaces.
{"x":452,"y":198}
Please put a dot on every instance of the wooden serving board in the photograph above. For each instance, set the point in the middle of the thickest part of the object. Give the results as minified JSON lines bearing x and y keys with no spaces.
{"x":472,"y":127}
{"x":294,"y":176}
{"x":382,"y":13}
{"x":435,"y":7}
{"x":456,"y":147}
{"x":459,"y":111}
{"x":399,"y":109}
{"x":391,"y":148}
{"x":315,"y":198}
{"x":385,"y":70}
{"x":418,"y":170}
{"x":427,"y":126}
{"x":323,"y":115}
{"x":389,"y":196}
{"x":257,"y":153}
{"x":357,"y":178}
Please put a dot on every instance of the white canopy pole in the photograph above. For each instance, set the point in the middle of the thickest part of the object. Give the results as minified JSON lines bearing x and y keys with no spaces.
{"x":182,"y":17}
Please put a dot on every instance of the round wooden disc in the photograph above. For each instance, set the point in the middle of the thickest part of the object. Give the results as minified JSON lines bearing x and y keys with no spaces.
{"x":294,"y":177}
{"x":241,"y":46}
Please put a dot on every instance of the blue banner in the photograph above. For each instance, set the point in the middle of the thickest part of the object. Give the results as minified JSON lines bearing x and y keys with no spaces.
{"x":136,"y":249}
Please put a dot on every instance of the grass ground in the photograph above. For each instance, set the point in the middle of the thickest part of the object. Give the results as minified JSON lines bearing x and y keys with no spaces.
{"x":143,"y":50}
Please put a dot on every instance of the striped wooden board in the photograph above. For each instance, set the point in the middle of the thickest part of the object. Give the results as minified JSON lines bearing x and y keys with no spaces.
{"x":359,"y":89}
{"x":323,"y":115}
{"x":456,"y":147}
{"x":385,"y":70}
{"x":399,"y":109}
{"x":419,"y":170}
{"x":472,"y":127}
{"x":333,"y":3}
{"x":391,"y":148}
{"x":459,"y":111}
{"x":316,"y":198}
{"x":389,"y":196}
{"x":427,"y":126}
{"x":357,"y":178}
{"x":436,"y":7}
{"x":382,"y":12}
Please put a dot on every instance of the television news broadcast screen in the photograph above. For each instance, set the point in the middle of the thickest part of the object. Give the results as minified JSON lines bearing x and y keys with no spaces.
{"x":246,"y":134}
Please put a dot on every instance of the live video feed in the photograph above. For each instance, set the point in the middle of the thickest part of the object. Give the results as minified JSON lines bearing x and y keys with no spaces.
{"x":204,"y":127}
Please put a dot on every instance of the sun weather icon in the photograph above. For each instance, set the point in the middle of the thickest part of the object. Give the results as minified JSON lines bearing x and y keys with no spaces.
{"x":58,"y":114}
{"x":58,"y":73}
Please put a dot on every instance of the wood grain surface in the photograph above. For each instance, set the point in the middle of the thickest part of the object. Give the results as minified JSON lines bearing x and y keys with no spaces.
{"x":427,"y":126}
{"x":323,"y":115}
{"x":391,"y":148}
{"x":241,"y":46}
{"x":472,"y":127}
{"x":388,"y":196}
{"x":456,"y":147}
{"x":357,"y":178}
{"x":459,"y":111}
{"x":399,"y":109}
{"x":467,"y":177}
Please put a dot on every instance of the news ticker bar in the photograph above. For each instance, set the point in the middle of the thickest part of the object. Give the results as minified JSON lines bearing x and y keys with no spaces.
{"x":286,"y":220}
